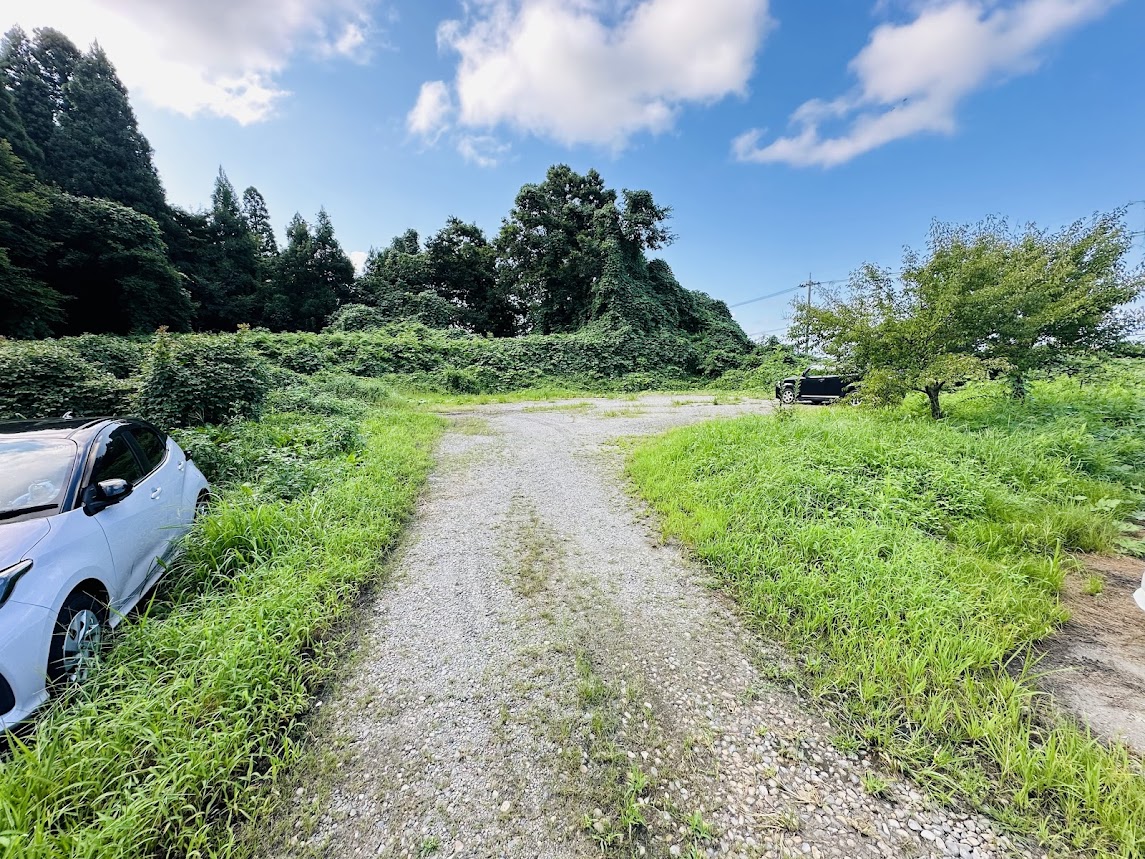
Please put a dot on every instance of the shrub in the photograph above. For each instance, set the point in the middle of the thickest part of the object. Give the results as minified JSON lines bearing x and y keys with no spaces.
{"x":120,"y":356}
{"x":201,"y":380}
{"x":356,"y":317}
{"x":46,"y":378}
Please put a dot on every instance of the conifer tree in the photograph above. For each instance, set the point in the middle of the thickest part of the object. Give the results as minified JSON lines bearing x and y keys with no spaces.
{"x":302,"y":297}
{"x":97,"y":149}
{"x":30,"y":94}
{"x":55,"y":57}
{"x":331,"y":265}
{"x":12,"y":129}
{"x":258,"y":222}
{"x":229,"y":263}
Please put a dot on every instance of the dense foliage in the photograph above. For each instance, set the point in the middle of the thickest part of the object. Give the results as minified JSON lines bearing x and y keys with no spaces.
{"x":88,"y":242}
{"x":194,"y":712}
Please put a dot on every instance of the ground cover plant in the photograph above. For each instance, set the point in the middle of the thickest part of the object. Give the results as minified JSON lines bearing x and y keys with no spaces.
{"x":910,"y":564}
{"x":179,"y":736}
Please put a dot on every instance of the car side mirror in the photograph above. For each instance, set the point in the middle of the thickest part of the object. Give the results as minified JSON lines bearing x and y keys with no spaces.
{"x":104,"y":494}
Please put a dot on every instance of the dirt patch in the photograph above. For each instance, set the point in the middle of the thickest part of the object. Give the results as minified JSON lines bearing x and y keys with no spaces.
{"x":1095,"y":664}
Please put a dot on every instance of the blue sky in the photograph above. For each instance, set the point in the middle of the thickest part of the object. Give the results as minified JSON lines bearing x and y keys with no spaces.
{"x":790,"y":138}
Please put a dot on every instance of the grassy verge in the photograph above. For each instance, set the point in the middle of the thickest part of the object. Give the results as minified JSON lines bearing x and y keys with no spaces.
{"x":190,"y":719}
{"x":907,"y":562}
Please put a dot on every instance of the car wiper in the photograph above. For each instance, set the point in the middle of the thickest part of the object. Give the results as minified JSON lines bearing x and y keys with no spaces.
{"x":39,"y":508}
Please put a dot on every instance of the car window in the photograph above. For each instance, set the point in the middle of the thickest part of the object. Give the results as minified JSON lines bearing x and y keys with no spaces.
{"x":154,"y":448}
{"x":33,"y":474}
{"x":116,"y":459}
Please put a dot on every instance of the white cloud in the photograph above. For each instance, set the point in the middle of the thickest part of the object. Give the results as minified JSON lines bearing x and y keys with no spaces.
{"x":484,"y":150}
{"x":430,"y":115}
{"x":912,"y":77}
{"x":358,"y":258}
{"x":220,"y":57}
{"x":597,"y":71}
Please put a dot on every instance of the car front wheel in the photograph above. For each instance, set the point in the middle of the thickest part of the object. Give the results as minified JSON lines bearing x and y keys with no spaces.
{"x":787,"y":397}
{"x":76,"y":640}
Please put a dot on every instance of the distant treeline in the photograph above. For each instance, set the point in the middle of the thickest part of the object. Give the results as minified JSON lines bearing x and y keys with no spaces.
{"x":89,"y":243}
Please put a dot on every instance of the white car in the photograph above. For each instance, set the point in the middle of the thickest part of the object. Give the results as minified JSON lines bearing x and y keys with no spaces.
{"x":90,"y":509}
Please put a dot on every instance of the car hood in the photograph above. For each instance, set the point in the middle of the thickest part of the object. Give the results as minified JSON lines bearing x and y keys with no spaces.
{"x":17,"y":539}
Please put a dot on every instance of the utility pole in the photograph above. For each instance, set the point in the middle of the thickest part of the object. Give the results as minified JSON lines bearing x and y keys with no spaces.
{"x":807,"y":331}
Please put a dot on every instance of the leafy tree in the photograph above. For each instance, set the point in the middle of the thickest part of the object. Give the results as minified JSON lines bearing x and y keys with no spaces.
{"x":1035,"y":298}
{"x":28,"y":306}
{"x":901,"y":335}
{"x":301,"y":296}
{"x":550,"y":247}
{"x":114,"y":267}
{"x":393,"y":276}
{"x":31,"y":96}
{"x":462,"y":269}
{"x":984,"y":301}
{"x":97,"y":149}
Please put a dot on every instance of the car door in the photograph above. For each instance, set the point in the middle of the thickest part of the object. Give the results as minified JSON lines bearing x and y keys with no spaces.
{"x":163,"y":482}
{"x":810,"y":386}
{"x":130,"y":526}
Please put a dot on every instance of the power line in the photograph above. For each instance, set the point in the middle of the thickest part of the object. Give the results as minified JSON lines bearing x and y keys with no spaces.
{"x":789,"y":289}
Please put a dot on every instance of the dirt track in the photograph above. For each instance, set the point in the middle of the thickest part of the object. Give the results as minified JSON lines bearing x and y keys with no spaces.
{"x":542,"y":666}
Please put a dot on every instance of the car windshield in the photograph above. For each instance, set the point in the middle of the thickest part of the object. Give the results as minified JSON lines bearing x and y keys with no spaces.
{"x":33,"y":474}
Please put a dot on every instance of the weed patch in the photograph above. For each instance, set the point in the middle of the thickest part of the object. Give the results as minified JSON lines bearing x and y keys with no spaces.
{"x":907,"y":562}
{"x":179,"y":737}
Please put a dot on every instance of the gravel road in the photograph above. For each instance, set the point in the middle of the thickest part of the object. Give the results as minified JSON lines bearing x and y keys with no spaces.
{"x":542,"y":677}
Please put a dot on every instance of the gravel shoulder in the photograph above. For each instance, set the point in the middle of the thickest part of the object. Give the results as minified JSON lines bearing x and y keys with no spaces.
{"x":543,"y":677}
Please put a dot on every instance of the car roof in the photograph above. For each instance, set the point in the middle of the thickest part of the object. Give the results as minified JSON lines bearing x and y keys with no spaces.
{"x":76,"y":429}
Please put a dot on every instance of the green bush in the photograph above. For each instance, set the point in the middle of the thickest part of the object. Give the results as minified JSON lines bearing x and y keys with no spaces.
{"x":46,"y":379}
{"x":120,"y":356}
{"x":356,"y":317}
{"x":201,"y":379}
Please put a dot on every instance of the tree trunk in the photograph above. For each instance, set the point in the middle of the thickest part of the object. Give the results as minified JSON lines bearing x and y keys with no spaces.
{"x":932,"y":392}
{"x":1018,"y":386}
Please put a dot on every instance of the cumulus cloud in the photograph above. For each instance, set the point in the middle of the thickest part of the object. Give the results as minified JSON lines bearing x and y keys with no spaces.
{"x":358,"y":258}
{"x":430,"y":115}
{"x":596,"y":71}
{"x":220,"y":57}
{"x":912,"y":76}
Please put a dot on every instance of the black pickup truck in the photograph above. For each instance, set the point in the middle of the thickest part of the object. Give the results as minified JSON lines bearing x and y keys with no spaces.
{"x":808,"y":388}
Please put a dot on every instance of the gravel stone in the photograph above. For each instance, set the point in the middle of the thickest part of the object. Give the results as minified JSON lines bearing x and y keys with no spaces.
{"x":455,"y":725}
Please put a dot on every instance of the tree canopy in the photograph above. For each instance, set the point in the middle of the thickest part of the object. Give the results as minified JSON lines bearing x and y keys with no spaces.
{"x":984,"y":300}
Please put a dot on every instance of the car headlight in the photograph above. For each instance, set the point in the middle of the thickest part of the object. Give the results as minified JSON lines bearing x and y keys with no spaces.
{"x":9,"y":576}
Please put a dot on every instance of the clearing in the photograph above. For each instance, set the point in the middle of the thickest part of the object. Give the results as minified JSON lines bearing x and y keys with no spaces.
{"x":544,"y":678}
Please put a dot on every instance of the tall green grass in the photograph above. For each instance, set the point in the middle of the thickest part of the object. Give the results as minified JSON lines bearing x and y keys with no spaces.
{"x":910,"y":564}
{"x":175,"y":742}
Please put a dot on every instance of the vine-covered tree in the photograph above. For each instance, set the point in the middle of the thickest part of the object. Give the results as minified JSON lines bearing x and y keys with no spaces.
{"x":97,"y":149}
{"x":550,"y":247}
